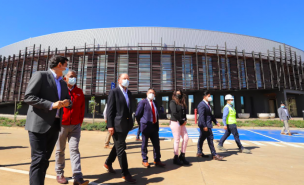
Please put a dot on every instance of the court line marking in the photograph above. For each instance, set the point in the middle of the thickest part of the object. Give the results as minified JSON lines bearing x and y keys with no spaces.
{"x":130,"y":137}
{"x":275,"y":139}
{"x":243,"y":143}
{"x":46,"y":176}
{"x":275,"y":144}
{"x":257,"y":143}
{"x":194,"y":140}
{"x":227,"y":142}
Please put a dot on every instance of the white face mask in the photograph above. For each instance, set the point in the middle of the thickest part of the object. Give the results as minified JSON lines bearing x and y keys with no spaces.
{"x":209,"y":99}
{"x":72,"y":81}
{"x":151,"y":96}
{"x":125,"y":83}
{"x":65,"y":71}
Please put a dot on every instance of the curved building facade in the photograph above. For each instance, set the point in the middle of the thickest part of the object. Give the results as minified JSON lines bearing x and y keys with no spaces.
{"x":260,"y":73}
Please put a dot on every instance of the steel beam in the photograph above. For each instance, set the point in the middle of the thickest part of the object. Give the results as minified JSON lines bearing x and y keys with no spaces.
{"x":238,"y":67}
{"x":245,"y":66}
{"x":262,"y":69}
{"x":32,"y":61}
{"x":227,"y":66}
{"x":197,"y":69}
{"x":22,"y":73}
{"x":17,"y":72}
{"x":293,"y":71}
{"x":219,"y":67}
{"x":277,"y":69}
{"x":93,"y":55}
{"x":255,"y":71}
{"x":207,"y":67}
{"x":281,"y":60}
{"x":270,"y":67}
{"x":39,"y":54}
{"x":47,"y":60}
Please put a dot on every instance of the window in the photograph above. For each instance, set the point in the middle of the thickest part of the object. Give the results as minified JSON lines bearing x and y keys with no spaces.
{"x":190,"y":104}
{"x":3,"y":82}
{"x":102,"y":105}
{"x":85,"y":72}
{"x":144,"y":72}
{"x":165,"y":103}
{"x":258,"y":74}
{"x":210,"y":71}
{"x":81,"y":76}
{"x":166,"y":76}
{"x":211,"y":104}
{"x":204,"y":72}
{"x":101,"y":81}
{"x":242,"y":104}
{"x":35,"y":67}
{"x":243,"y":74}
{"x":187,"y":72}
{"x":122,"y":64}
{"x":223,"y":73}
{"x":222,"y":103}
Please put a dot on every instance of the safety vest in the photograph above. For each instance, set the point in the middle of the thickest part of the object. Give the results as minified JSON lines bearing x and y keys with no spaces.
{"x":231,"y":118}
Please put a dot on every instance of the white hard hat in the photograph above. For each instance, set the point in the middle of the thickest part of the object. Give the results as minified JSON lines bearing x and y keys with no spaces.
{"x":229,"y":97}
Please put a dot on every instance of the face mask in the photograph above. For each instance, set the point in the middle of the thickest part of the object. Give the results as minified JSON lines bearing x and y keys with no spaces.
{"x":125,"y":83}
{"x":65,"y":71}
{"x":232,"y":102}
{"x":209,"y":99}
{"x":151,"y":96}
{"x":179,"y":96}
{"x":282,"y":106}
{"x":72,"y":81}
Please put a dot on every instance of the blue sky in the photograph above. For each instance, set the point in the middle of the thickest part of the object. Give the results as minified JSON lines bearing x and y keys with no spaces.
{"x":278,"y":20}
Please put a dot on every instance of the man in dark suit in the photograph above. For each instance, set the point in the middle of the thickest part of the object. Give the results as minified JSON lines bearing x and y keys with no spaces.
{"x":46,"y":94}
{"x":205,"y":120}
{"x":147,"y":116}
{"x":119,"y":123}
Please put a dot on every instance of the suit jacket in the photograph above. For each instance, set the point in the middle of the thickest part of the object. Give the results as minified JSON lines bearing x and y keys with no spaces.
{"x":282,"y":114}
{"x":40,"y":93}
{"x":119,"y":116}
{"x":144,"y":116}
{"x":206,"y":117}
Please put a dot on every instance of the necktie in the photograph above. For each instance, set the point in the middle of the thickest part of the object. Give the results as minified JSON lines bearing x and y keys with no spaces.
{"x":153,"y":112}
{"x":209,"y":106}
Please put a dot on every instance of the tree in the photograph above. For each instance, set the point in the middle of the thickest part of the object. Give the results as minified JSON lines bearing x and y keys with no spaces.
{"x":92,"y":106}
{"x":17,"y":107}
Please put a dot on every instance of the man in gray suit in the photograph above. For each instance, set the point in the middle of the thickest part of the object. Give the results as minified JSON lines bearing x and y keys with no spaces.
{"x":284,"y":116}
{"x":46,"y":94}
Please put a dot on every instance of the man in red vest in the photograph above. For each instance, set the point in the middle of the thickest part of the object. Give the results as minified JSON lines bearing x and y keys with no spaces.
{"x":70,"y":130}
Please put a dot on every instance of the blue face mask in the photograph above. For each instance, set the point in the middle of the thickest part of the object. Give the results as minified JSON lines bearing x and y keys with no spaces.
{"x":282,"y":106}
{"x":232,"y":103}
{"x":72,"y":81}
{"x":65,"y":71}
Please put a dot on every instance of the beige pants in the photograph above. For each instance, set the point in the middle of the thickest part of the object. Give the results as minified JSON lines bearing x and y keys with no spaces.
{"x":285,"y":127}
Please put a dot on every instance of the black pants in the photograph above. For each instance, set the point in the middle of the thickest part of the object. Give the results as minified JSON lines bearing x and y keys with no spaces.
{"x":118,"y":150}
{"x":154,"y":137}
{"x":138,"y":131}
{"x":42,"y":146}
{"x":231,"y":128}
{"x":203,"y":136}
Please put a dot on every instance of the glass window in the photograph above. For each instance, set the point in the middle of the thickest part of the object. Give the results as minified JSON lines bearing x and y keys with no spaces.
{"x":102,"y":105}
{"x":242,"y":104}
{"x":258,"y":74}
{"x":187,"y":72}
{"x":204,"y":72}
{"x":210,"y":71}
{"x":166,"y":77}
{"x":165,"y":103}
{"x":243,"y":74}
{"x":35,"y":67}
{"x":211,"y":104}
{"x":85,"y":72}
{"x":101,"y":81}
{"x":222,"y":103}
{"x":2,"y":85}
{"x":190,"y":104}
{"x":144,"y":72}
{"x":223,"y":73}
{"x":122,"y":64}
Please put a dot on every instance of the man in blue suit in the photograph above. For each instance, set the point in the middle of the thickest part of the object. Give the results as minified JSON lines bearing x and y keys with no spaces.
{"x":147,"y":115}
{"x":205,"y":124}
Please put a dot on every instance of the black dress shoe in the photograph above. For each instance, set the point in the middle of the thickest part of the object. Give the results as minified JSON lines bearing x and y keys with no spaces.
{"x":129,"y":179}
{"x":81,"y":182}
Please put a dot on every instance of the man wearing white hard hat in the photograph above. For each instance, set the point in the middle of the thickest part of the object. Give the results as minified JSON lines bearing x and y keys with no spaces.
{"x":229,"y":121}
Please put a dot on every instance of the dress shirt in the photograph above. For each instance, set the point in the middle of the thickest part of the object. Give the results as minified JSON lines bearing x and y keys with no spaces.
{"x":57,"y":81}
{"x":125,"y":93}
{"x":154,"y":107}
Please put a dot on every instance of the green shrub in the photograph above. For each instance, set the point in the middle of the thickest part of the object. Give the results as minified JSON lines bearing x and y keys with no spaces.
{"x":21,"y":123}
{"x":101,"y":126}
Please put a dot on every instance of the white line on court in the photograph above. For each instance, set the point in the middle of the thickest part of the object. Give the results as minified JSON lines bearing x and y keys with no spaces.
{"x":194,"y":140}
{"x":46,"y":176}
{"x":275,"y":144}
{"x":275,"y":139}
{"x":243,"y":143}
{"x":227,"y":142}
{"x":130,"y":137}
{"x":257,"y":143}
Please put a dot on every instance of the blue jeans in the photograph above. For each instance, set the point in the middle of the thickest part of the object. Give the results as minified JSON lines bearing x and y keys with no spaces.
{"x":231,"y":128}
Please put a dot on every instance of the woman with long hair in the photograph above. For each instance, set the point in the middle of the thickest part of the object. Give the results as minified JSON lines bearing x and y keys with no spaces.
{"x":178,"y":125}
